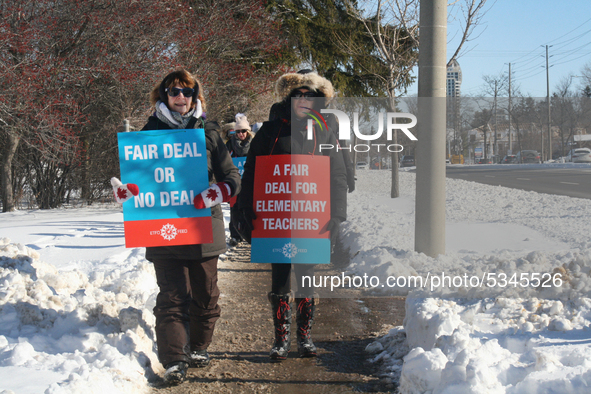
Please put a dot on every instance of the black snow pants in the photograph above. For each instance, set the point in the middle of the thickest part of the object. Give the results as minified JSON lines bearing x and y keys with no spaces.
{"x":186,"y":307}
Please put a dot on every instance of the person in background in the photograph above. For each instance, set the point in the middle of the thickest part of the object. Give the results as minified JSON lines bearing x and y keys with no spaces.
{"x":238,"y":145}
{"x":287,"y":135}
{"x":256,"y":126}
{"x":187,"y":303}
{"x":227,"y":131}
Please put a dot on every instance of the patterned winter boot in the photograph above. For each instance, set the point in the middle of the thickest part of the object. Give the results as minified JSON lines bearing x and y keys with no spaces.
{"x":282,"y":322}
{"x":304,"y":318}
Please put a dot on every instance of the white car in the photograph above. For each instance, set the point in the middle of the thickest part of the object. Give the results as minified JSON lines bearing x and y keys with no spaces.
{"x":579,"y":155}
{"x":362,"y":165}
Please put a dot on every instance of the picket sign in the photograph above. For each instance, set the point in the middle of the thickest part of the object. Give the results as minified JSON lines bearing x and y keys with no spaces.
{"x":239,"y":163}
{"x":170,"y":169}
{"x":292,"y":203}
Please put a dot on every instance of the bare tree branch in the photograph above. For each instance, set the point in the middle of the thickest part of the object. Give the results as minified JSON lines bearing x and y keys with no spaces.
{"x":473,"y":14}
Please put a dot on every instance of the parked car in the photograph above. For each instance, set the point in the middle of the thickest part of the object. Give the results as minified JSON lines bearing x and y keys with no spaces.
{"x":407,"y":161}
{"x":362,"y":165}
{"x":484,"y":161}
{"x":579,"y":155}
{"x":528,"y":156}
{"x":509,"y":159}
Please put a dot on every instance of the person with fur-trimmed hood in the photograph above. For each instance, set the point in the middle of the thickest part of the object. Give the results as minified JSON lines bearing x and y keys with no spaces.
{"x":288,"y":135}
{"x":227,"y":131}
{"x":278,"y":108}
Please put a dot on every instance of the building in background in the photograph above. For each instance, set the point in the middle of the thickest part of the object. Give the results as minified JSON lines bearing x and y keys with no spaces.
{"x":454,"y":79}
{"x":455,"y":143}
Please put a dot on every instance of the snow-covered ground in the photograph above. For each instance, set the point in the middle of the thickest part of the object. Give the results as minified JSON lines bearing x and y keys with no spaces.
{"x":75,"y":304}
{"x":510,"y":339}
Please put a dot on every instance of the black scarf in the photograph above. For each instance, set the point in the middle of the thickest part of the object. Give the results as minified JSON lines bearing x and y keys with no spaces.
{"x":240,"y":148}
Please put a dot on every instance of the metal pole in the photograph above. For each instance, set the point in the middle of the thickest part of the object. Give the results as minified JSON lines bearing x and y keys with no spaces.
{"x":395,"y":188}
{"x":495,"y":147}
{"x":542,"y":141}
{"x":510,"y":137}
{"x":355,"y":158}
{"x":430,"y":184}
{"x":126,"y":125}
{"x":549,"y":156}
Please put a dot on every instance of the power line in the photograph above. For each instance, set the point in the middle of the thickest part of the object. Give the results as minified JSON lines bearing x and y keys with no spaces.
{"x":523,"y":71}
{"x":564,"y":35}
{"x":532,"y":74}
{"x":576,"y":58}
{"x":502,"y":53}
{"x":522,"y":67}
{"x":575,"y":51}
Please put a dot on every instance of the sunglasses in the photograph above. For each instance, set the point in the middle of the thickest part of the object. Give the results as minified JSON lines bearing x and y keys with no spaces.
{"x":308,"y":96}
{"x":241,"y":131}
{"x":173,"y":92}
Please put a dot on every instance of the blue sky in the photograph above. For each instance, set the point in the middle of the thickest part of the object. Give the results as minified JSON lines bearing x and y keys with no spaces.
{"x":515,"y":31}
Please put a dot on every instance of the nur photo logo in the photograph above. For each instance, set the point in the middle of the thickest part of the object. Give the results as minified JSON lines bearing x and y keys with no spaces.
{"x":386,"y":123}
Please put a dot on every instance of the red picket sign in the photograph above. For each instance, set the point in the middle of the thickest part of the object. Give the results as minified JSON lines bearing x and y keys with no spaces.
{"x":291,"y":189}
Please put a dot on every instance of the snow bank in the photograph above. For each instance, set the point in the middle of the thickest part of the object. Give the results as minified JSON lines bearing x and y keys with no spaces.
{"x":473,"y":340}
{"x":77,"y":332}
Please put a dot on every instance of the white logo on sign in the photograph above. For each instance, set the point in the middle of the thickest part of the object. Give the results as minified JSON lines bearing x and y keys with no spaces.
{"x":290,"y":250}
{"x":168,"y":232}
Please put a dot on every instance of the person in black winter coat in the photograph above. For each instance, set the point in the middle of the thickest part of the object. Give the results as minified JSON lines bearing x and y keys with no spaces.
{"x":187,"y":305}
{"x":238,"y":145}
{"x":278,"y":108}
{"x":287,"y":135}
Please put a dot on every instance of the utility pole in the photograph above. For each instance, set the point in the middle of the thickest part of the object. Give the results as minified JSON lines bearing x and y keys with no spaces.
{"x":394,"y":189}
{"x":549,"y":156}
{"x":496,"y":142}
{"x":510,"y":137}
{"x":542,"y":150}
{"x":355,"y":156}
{"x":430,"y":154}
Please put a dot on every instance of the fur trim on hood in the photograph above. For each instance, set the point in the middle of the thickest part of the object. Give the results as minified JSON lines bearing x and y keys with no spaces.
{"x":288,"y":82}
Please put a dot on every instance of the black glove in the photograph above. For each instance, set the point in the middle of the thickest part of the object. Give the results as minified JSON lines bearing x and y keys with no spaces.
{"x":351,"y":182}
{"x":243,"y":222}
{"x":333,"y":226}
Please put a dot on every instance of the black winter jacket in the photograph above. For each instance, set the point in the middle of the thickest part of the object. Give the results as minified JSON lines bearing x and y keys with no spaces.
{"x":221,"y":169}
{"x":275,"y":137}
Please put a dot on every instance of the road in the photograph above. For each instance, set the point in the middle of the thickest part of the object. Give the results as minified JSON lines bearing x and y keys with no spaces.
{"x":574,"y":181}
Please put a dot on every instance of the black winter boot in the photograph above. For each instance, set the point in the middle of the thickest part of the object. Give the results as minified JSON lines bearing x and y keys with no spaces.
{"x":282,"y":322}
{"x":176,"y":372}
{"x":199,"y":358}
{"x":304,"y":318}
